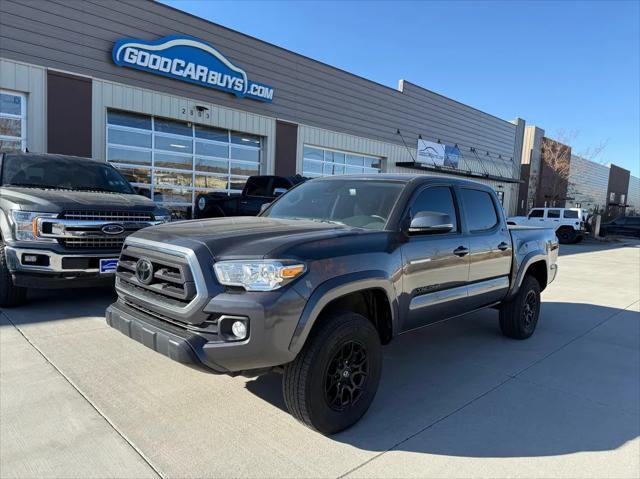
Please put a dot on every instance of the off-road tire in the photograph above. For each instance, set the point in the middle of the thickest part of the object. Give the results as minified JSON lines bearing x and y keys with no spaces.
{"x":566,"y":235}
{"x":10,"y":295}
{"x":519,"y":316}
{"x":307,"y":380}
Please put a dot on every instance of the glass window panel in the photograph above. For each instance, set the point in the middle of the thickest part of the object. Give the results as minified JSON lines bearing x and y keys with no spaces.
{"x":371,"y":162}
{"x":165,"y":160}
{"x":174,"y":127}
{"x":162,"y":177}
{"x":338,"y":157}
{"x":328,"y":169}
{"x":129,"y":138}
{"x":10,"y":145}
{"x":177,"y":145}
{"x":123,"y":155}
{"x":245,"y":154}
{"x":338,"y":169}
{"x":481,"y":212}
{"x":213,"y":182}
{"x":245,"y":139}
{"x":353,"y":169}
{"x":212,"y":149}
{"x":247,"y":169}
{"x":135,"y":174}
{"x":328,"y":156}
{"x":10,"y":104}
{"x":209,"y":133}
{"x":11,"y":127}
{"x":313,"y":153}
{"x":237,"y":183}
{"x":354,"y":160}
{"x":312,"y":167}
{"x":212,"y":165}
{"x":182,"y":195}
{"x":131,"y":120}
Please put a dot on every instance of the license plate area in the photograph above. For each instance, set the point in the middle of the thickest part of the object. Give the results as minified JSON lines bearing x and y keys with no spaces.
{"x":108,"y":266}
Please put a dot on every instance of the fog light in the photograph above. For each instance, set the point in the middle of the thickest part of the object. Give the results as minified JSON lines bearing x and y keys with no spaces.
{"x":30,"y":258}
{"x":239,"y":329}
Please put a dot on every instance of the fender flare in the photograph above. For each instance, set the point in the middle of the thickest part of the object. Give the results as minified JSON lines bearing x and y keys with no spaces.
{"x":335,"y":288}
{"x":518,"y":276}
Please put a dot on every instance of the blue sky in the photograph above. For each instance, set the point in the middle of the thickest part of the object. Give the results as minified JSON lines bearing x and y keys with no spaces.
{"x":564,"y":66}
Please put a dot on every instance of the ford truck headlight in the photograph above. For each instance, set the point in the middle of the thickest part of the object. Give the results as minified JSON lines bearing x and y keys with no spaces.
{"x":266,"y":275}
{"x":25,"y":225}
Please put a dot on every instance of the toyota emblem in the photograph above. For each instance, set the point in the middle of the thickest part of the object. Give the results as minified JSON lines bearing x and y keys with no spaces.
{"x":144,"y":271}
{"x":112,"y":229}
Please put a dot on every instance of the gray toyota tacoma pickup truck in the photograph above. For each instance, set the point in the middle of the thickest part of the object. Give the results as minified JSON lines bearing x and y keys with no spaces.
{"x":327,"y":274}
{"x":63,"y":221}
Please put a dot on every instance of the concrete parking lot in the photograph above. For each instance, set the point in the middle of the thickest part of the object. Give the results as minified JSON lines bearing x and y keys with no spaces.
{"x":78,"y":399}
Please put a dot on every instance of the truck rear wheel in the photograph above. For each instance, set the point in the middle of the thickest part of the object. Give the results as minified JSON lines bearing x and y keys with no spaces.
{"x":10,"y":294}
{"x":519,"y":317}
{"x":333,"y":380}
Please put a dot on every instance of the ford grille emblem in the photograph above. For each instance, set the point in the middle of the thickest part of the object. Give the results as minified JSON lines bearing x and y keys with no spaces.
{"x":112,"y":229}
{"x":144,"y":271}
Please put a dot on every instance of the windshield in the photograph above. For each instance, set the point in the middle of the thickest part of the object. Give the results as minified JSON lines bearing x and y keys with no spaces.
{"x":60,"y":172}
{"x":358,"y":203}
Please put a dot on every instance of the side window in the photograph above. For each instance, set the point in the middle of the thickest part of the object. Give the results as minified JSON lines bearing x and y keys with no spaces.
{"x":479,"y":210}
{"x":438,"y":199}
{"x":536,"y":214}
{"x":553,"y":214}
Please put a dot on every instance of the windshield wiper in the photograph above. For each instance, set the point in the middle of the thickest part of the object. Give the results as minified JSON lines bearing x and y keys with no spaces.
{"x":92,"y":188}
{"x":323,"y":220}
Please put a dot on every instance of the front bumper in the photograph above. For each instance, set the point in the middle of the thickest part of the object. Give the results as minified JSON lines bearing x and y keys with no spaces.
{"x":272,"y":319}
{"x":58,"y":270}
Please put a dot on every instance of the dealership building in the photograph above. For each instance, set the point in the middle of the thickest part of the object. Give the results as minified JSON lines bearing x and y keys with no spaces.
{"x":182,"y":106}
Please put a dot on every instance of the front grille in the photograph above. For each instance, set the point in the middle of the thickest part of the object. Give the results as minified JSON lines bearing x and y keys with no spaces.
{"x":209,"y":326}
{"x":171,"y":283}
{"x":107,"y":216}
{"x":92,"y":243}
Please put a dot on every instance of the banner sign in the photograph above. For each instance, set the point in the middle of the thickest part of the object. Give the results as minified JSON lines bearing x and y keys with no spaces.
{"x":191,"y":60}
{"x":437,"y":154}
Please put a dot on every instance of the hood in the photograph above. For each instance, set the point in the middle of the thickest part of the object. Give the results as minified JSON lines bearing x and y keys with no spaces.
{"x":54,"y":201}
{"x":244,"y":237}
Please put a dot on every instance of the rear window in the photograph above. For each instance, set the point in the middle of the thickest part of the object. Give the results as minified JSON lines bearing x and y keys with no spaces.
{"x":570,"y":214}
{"x":480,"y":210}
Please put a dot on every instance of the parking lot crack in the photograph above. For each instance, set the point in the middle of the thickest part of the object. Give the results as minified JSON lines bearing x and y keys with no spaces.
{"x":91,"y":403}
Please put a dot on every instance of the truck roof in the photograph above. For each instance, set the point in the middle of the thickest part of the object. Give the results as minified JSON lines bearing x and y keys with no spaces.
{"x":403,"y":177}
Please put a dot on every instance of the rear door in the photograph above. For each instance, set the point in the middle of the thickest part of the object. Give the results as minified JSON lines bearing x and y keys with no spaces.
{"x":435,"y":266}
{"x":490,"y":247}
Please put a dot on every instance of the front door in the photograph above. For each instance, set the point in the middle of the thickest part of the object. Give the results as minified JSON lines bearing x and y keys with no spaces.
{"x":435,"y":266}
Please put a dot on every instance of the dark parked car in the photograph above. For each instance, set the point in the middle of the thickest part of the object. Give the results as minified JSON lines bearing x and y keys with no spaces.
{"x":331,"y":271}
{"x":258,"y":191}
{"x":624,"y":226}
{"x":63,"y":221}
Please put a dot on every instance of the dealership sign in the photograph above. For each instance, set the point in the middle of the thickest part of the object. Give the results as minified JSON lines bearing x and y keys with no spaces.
{"x":437,"y":154}
{"x":191,"y":60}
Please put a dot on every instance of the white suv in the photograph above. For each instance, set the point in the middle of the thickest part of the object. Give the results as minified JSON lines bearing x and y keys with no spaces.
{"x":569,"y":223}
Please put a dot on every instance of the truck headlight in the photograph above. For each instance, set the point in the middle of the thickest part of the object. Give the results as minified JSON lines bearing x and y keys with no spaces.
{"x":265,"y":275}
{"x":162,"y":218}
{"x":25,"y":225}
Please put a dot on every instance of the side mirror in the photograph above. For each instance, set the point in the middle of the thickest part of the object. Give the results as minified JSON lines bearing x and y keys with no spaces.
{"x":264,"y":206}
{"x":427,"y":222}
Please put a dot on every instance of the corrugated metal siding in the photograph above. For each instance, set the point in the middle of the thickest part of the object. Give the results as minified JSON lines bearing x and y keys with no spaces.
{"x":588,"y":183}
{"x":123,"y":97}
{"x":78,"y":37}
{"x":634,"y":196}
{"x":308,"y":135}
{"x":31,"y":80}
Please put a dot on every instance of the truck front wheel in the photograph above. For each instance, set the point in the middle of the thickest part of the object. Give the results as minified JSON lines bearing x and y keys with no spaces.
{"x":519,"y":316}
{"x":10,"y":294}
{"x":333,"y":380}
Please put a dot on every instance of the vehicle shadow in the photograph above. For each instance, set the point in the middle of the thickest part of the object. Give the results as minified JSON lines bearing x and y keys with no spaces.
{"x":460,"y":388}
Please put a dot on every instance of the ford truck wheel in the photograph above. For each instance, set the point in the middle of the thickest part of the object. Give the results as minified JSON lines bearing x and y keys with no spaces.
{"x":333,"y":380}
{"x":519,"y":317}
{"x":10,"y":294}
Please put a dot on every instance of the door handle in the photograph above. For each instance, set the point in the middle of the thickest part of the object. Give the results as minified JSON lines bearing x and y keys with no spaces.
{"x":503,"y":246}
{"x":461,"y":251}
